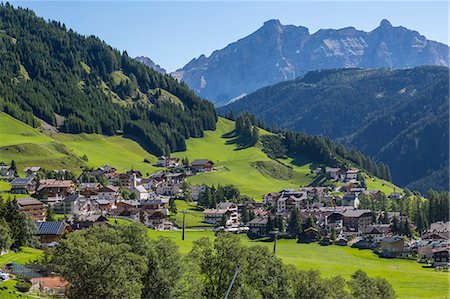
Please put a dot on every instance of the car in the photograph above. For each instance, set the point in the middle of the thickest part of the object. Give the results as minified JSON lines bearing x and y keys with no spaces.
{"x":4,"y":276}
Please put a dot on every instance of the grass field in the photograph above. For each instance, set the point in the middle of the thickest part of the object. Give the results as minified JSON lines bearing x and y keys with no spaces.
{"x":194,"y":217}
{"x":408,"y":278}
{"x":235,"y":166}
{"x":117,"y":151}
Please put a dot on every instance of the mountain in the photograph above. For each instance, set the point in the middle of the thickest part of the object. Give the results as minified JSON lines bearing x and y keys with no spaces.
{"x":148,"y":62}
{"x":399,"y":117}
{"x":82,"y":85}
{"x":277,"y":52}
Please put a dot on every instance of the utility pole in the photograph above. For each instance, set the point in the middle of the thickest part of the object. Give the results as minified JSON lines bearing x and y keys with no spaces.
{"x":184,"y":223}
{"x":275,"y":234}
{"x":232,"y":282}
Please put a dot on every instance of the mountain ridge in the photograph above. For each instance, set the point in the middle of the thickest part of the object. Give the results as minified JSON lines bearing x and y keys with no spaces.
{"x":277,"y":52}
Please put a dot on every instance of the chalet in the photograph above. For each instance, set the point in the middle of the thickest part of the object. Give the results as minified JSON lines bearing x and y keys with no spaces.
{"x":88,"y":186}
{"x":165,"y":161}
{"x":159,"y":176}
{"x":168,"y":188}
{"x":132,"y":214}
{"x":290,"y":200}
{"x":224,"y":209}
{"x":55,"y":188}
{"x":128,"y":204}
{"x":334,"y":173}
{"x":392,"y":246}
{"x":86,"y":221}
{"x":32,"y":207}
{"x":347,"y":187}
{"x":55,"y":285}
{"x":108,"y":192}
{"x":352,"y":174}
{"x":71,"y":204}
{"x":272,"y":198}
{"x":440,"y":255}
{"x":132,"y":172}
{"x":157,"y":204}
{"x":156,"y":220}
{"x":395,"y":195}
{"x":202,"y":165}
{"x":7,"y":171}
{"x":105,"y":204}
{"x":51,"y":231}
{"x":107,"y":169}
{"x":425,"y":247}
{"x":334,"y":221}
{"x":376,"y":232}
{"x":355,"y":220}
{"x":31,"y":170}
{"x":310,"y":234}
{"x":437,"y":231}
{"x":257,"y":226}
{"x":196,"y":191}
{"x":23,"y":185}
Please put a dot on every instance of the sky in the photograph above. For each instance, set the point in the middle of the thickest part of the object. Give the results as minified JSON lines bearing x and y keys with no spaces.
{"x":172,"y":33}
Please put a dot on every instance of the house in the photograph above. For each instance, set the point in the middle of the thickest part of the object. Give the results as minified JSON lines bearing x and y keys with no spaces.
{"x":51,"y":231}
{"x":392,"y":246}
{"x":376,"y":232}
{"x":71,"y":204}
{"x":440,"y":255}
{"x":32,"y":207}
{"x":196,"y":191}
{"x":202,"y":165}
{"x":86,"y":221}
{"x":425,"y":247}
{"x":55,"y":285}
{"x":228,"y":210}
{"x":334,"y":221}
{"x":105,"y":204}
{"x":347,"y":187}
{"x":352,"y":174}
{"x":108,"y":192}
{"x":89,"y":186}
{"x":51,"y":188}
{"x":350,"y":199}
{"x":155,"y":220}
{"x":31,"y":170}
{"x":168,"y":188}
{"x":7,"y":171}
{"x":395,"y":195}
{"x":334,"y":173}
{"x":309,"y":234}
{"x":157,"y":204}
{"x":107,"y":169}
{"x":128,"y":204}
{"x":272,"y":198}
{"x":437,"y":231}
{"x":258,"y":226}
{"x":165,"y":161}
{"x":290,"y":200}
{"x":355,"y":220}
{"x":23,"y":185}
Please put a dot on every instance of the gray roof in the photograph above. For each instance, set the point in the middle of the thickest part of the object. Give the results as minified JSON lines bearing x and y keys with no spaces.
{"x":392,"y":239}
{"x":73,"y":197}
{"x":200,"y":162}
{"x":355,"y":213}
{"x":21,"y":181}
{"x":28,"y":201}
{"x":258,"y":220}
{"x":51,"y":227}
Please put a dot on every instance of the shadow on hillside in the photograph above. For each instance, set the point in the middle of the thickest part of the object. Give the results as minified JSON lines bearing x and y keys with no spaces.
{"x":242,"y":143}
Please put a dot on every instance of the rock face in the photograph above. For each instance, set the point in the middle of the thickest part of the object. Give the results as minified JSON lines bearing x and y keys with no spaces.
{"x":277,"y":52}
{"x":147,"y":61}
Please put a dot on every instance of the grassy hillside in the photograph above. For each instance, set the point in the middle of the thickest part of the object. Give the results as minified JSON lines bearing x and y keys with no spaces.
{"x":249,"y":169}
{"x":239,"y":166}
{"x":408,"y":278}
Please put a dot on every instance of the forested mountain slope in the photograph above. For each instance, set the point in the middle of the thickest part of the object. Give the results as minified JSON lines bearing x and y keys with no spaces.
{"x":80,"y":84}
{"x":399,"y":117}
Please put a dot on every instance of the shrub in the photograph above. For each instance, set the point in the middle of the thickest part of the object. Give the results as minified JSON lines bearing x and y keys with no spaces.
{"x":23,"y":286}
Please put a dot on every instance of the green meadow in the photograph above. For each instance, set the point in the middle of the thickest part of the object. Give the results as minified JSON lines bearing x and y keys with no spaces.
{"x":237,"y":166}
{"x":407,"y":277}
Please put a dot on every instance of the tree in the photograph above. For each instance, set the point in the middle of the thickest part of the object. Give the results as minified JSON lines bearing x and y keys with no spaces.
{"x":100,"y":263}
{"x":50,"y":214}
{"x":5,"y":236}
{"x":362,"y":286}
{"x":14,"y":167}
{"x":224,"y":220}
{"x":333,"y":235}
{"x":294,"y":224}
{"x":245,"y":215}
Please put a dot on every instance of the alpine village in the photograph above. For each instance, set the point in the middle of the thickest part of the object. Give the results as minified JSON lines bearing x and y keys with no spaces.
{"x":119,"y":181}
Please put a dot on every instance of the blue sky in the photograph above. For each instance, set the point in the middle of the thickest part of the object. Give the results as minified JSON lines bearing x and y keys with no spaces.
{"x":172,"y":33}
